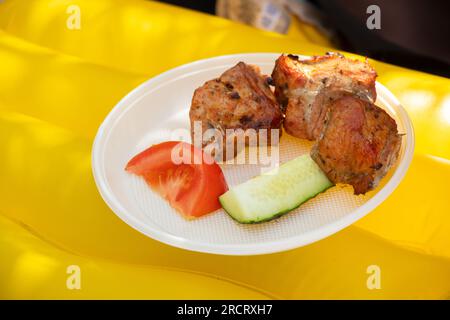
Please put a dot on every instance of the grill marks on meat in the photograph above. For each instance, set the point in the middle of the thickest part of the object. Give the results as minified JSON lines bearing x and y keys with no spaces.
{"x":330,"y":99}
{"x":358,"y":144}
{"x":240,"y":98}
{"x":303,"y":87}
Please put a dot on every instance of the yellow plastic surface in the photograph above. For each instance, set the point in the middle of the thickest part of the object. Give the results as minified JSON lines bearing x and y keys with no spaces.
{"x":56,"y":86}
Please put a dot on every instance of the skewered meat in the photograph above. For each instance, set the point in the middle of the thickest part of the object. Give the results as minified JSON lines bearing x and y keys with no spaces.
{"x":358,"y":144}
{"x":303,"y":87}
{"x":240,"y":98}
{"x":330,"y":99}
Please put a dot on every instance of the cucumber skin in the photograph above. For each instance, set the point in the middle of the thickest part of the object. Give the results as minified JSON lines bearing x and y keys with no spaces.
{"x":276,"y":215}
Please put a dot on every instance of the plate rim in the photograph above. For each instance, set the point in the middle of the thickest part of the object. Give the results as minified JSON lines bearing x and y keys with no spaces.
{"x":266,"y":247}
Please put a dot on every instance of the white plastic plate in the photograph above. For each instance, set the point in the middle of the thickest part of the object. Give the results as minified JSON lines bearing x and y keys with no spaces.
{"x":151,"y":113}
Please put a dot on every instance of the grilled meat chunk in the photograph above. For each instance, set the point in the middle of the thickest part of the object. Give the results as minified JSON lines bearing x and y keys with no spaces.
{"x":240,"y":98}
{"x":358,"y":144}
{"x":303,"y":87}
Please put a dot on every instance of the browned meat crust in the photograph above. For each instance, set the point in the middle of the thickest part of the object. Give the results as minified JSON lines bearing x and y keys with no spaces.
{"x":240,"y":98}
{"x":328,"y":99}
{"x":302,"y":87}
{"x":358,"y":144}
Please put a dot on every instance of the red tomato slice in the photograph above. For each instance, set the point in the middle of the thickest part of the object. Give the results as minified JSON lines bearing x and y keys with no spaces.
{"x":185,"y":176}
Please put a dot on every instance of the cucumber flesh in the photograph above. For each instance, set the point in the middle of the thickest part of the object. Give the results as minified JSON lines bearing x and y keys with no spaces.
{"x":275,"y":193}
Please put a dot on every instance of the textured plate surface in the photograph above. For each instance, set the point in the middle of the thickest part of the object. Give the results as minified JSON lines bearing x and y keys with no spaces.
{"x":158,"y":110}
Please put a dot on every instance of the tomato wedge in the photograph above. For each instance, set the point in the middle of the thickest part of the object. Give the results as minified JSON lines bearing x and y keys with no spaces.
{"x":185,"y":176}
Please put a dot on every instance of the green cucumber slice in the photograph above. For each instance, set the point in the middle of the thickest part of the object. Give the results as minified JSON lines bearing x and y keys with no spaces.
{"x":275,"y":192}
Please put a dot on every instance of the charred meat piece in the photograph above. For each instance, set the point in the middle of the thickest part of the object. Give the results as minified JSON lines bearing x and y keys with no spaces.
{"x":358,"y":144}
{"x":240,"y":98}
{"x":303,"y":87}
